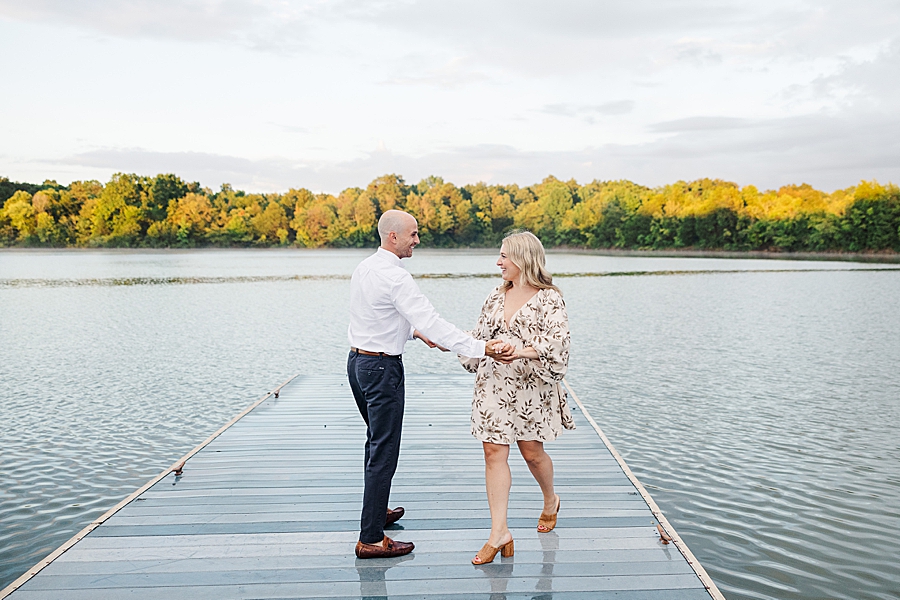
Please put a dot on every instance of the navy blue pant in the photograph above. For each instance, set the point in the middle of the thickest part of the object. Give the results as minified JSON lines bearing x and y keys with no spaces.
{"x":378,"y":387}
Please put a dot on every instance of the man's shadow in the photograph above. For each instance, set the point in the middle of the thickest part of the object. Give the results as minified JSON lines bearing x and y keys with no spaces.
{"x":372,"y":584}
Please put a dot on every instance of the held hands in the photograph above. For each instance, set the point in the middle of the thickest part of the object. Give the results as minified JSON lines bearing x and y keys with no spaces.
{"x":500,"y":351}
{"x":496,"y":349}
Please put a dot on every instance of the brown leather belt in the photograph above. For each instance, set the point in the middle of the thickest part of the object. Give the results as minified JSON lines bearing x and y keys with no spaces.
{"x":367,"y":353}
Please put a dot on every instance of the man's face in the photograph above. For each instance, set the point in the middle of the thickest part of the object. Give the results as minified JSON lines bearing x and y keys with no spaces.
{"x":407,"y":238}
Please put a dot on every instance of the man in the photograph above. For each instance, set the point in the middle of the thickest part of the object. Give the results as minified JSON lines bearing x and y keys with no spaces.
{"x":387,"y":310}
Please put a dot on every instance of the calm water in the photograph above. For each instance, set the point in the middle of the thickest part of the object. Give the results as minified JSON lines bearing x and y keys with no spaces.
{"x":759,"y":401}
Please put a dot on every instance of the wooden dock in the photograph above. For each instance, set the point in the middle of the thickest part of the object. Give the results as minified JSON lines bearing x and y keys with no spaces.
{"x":268,"y":507}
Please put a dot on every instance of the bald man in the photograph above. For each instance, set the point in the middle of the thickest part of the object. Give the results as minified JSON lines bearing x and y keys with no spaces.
{"x":387,"y":309}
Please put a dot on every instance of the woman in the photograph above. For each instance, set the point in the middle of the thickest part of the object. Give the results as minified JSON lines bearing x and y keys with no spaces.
{"x":521,"y":400}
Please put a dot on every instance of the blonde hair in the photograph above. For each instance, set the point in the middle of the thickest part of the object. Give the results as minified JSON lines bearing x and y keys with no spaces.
{"x":525,"y":251}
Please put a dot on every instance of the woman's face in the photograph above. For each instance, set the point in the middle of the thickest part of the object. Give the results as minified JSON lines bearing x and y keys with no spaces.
{"x":508,"y":270}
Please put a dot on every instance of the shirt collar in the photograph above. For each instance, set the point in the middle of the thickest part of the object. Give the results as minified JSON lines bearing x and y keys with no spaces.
{"x":388,"y":256}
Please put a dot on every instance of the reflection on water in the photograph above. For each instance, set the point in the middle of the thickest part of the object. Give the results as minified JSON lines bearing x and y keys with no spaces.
{"x":759,"y":407}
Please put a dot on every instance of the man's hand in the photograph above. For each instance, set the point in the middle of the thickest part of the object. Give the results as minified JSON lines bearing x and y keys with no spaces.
{"x":500,"y":351}
{"x":428,"y":342}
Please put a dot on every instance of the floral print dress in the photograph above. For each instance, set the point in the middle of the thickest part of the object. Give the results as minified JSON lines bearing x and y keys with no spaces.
{"x":524,"y":400}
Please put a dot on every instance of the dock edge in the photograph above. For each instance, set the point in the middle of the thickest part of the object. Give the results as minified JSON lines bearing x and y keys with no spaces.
{"x":705,"y":579}
{"x":698,"y":569}
{"x":46,"y":561}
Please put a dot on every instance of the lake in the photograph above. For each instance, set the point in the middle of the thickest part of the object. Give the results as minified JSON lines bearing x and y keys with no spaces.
{"x":757,"y":400}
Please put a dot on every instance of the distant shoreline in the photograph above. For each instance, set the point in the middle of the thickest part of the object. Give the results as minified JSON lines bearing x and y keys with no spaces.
{"x":133,"y":211}
{"x":866,"y":257}
{"x":873,"y":257}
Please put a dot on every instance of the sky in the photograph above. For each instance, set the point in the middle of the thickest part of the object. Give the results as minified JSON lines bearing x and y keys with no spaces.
{"x":269,"y":95}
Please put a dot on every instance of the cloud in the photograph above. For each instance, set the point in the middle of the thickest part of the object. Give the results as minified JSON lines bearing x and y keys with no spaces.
{"x":169,"y":19}
{"x":208,"y":168}
{"x":464,"y":42}
{"x":472,"y":19}
{"x":618,"y":107}
{"x":455,"y":73}
{"x":709,"y":78}
{"x":826,"y":151}
{"x":522,"y":34}
{"x":459,"y":19}
{"x":697,"y":52}
{"x":290,"y":128}
{"x":871,"y":82}
{"x":699,"y":124}
{"x":547,"y":39}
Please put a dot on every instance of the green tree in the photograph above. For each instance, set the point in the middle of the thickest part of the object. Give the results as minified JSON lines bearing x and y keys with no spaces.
{"x":271,"y":225}
{"x":116,"y":218}
{"x":313,"y":223}
{"x":355,"y":223}
{"x":187,"y":222}
{"x":432,"y":206}
{"x":19,"y":212}
{"x":871,"y":221}
{"x":387,"y":192}
{"x":544,"y":217}
{"x":8,"y":188}
{"x":132,"y":210}
{"x":163,"y":189}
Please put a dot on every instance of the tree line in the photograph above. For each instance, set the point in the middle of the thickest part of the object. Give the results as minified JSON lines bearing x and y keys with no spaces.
{"x":133,"y":211}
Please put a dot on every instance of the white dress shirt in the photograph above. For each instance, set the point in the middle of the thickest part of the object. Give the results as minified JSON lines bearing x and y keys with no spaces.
{"x":386,"y":307}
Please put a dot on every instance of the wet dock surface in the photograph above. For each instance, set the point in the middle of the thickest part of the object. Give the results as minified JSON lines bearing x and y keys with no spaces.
{"x":270,"y":509}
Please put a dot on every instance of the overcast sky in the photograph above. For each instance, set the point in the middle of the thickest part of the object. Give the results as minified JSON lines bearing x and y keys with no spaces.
{"x":273,"y":94}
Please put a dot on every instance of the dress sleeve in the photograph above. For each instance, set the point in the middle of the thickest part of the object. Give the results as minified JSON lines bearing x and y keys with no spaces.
{"x":550,"y":338}
{"x":481,"y":332}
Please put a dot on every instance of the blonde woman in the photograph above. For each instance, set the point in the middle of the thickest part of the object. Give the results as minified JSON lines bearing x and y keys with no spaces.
{"x":521,"y":400}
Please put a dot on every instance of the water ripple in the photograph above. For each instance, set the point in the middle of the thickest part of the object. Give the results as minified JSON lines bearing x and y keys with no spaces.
{"x":132,"y":281}
{"x":759,"y":408}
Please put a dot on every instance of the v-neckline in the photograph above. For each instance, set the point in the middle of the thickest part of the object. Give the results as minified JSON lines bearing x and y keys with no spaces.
{"x":517,"y":311}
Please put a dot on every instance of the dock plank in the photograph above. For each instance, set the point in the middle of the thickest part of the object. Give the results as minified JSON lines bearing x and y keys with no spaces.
{"x":270,"y":509}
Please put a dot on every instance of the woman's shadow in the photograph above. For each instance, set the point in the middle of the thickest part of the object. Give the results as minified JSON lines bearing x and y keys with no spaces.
{"x":549,"y":546}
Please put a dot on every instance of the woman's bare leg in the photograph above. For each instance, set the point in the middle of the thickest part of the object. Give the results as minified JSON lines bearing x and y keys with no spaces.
{"x":541,"y":466}
{"x":497,"y":480}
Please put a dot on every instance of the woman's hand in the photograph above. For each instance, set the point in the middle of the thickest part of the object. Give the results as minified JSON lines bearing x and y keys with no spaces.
{"x":506,"y":353}
{"x":500,"y":351}
{"x":527,"y":352}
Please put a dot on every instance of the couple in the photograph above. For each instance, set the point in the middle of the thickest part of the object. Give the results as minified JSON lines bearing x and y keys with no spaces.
{"x":519,"y":350}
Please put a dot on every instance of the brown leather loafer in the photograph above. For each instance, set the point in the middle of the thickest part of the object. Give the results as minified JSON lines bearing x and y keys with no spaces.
{"x":393,"y":516}
{"x":390,"y":549}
